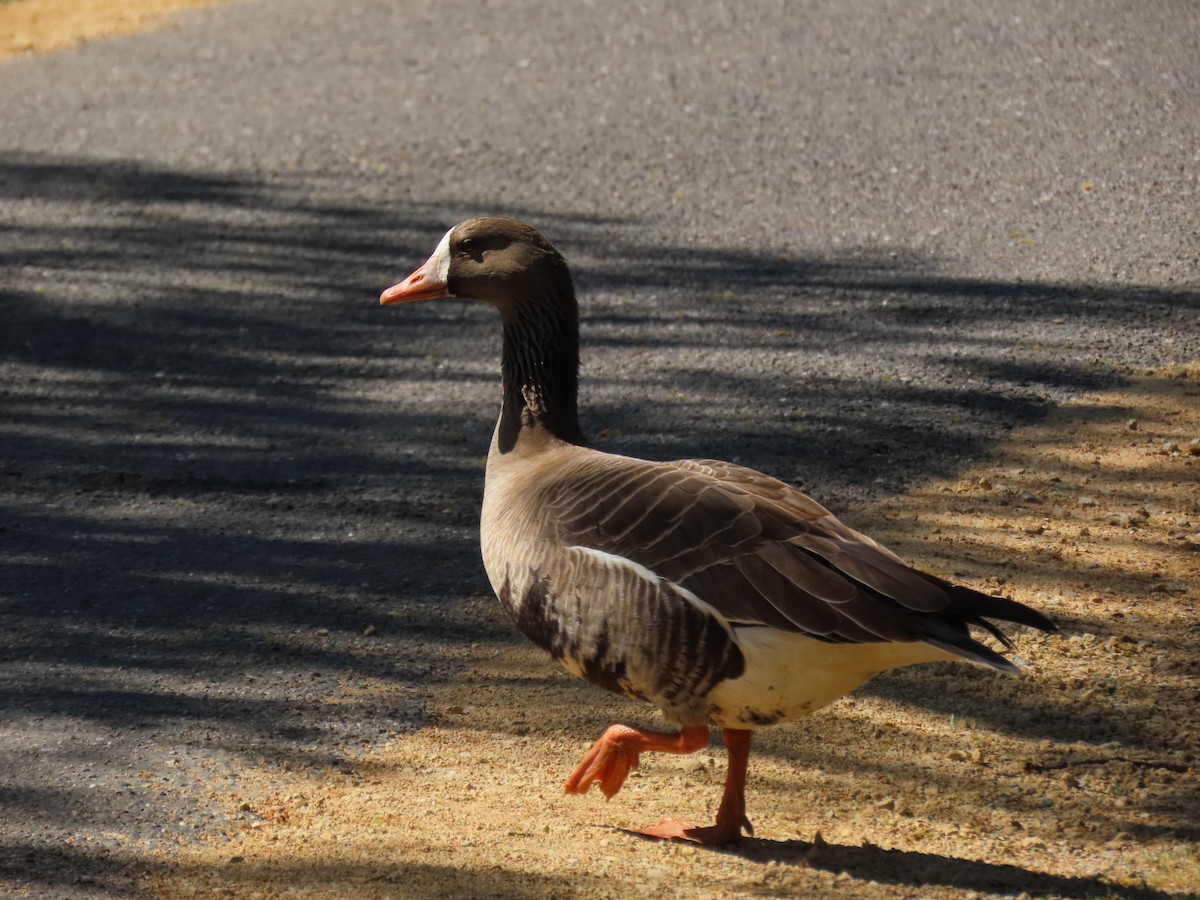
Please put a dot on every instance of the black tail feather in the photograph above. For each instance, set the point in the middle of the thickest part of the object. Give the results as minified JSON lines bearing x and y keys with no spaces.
{"x":974,"y":605}
{"x":971,"y":607}
{"x":973,"y":651}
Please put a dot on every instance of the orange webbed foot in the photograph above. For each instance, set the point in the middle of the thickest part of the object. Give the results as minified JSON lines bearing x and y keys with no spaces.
{"x":608,"y":762}
{"x":719,"y":835}
{"x":616,"y":754}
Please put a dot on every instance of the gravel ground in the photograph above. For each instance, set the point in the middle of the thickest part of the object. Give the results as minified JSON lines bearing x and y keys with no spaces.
{"x":851,"y":244}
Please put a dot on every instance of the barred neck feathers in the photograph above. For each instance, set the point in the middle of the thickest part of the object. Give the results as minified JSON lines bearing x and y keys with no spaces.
{"x":540,"y":360}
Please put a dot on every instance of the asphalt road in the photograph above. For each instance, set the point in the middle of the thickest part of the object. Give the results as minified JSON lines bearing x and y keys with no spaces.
{"x":849,"y":243}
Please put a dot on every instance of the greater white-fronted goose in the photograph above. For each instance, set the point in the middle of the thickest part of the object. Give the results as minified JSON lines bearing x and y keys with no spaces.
{"x":719,"y":594}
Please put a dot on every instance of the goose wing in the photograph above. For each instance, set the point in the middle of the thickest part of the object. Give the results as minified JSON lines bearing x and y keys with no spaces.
{"x":760,"y":552}
{"x":754,"y":549}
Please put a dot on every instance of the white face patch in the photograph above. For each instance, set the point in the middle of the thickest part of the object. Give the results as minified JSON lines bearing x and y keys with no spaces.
{"x":442,"y":255}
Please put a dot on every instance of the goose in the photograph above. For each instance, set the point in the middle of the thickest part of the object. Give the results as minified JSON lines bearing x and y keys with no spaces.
{"x":723,"y":596}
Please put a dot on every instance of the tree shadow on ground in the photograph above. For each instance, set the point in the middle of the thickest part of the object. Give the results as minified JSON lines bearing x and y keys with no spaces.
{"x":74,"y":871}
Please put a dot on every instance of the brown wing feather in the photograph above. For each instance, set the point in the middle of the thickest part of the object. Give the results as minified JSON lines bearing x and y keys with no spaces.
{"x":849,"y":551}
{"x":756,"y":550}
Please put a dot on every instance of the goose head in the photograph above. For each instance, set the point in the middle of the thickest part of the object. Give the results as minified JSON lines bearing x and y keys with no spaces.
{"x":506,"y":263}
{"x":491,"y":259}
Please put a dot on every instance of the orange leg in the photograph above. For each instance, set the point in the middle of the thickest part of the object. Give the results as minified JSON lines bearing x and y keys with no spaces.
{"x":615,"y":755}
{"x":731,"y":815}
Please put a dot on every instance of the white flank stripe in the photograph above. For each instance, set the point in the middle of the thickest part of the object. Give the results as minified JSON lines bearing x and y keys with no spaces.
{"x":611,"y":559}
{"x":621,"y":562}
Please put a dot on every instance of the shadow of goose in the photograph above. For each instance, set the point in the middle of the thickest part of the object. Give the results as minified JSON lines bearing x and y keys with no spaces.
{"x":912,"y":868}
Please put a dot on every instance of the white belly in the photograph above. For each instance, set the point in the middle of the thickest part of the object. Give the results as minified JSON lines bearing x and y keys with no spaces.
{"x":789,"y":675}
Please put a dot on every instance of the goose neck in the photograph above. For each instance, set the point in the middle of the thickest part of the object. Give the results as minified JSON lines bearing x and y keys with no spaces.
{"x":540,"y":370}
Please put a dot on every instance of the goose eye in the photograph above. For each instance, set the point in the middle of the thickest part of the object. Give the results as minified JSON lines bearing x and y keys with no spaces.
{"x":467,"y":245}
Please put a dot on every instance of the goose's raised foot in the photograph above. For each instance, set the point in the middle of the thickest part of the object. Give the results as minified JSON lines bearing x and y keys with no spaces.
{"x":615,"y":755}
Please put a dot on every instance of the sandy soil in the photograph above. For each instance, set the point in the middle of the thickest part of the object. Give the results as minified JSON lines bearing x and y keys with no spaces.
{"x":1077,"y":779}
{"x":39,"y":26}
